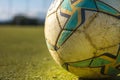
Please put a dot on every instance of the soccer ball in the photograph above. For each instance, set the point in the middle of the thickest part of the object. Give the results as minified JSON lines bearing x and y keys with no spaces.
{"x":83,"y":36}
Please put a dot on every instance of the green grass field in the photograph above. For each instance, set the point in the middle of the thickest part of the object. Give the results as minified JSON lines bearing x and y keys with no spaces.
{"x":24,"y":56}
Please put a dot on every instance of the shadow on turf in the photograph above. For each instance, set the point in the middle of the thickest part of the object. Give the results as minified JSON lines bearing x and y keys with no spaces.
{"x":115,"y":78}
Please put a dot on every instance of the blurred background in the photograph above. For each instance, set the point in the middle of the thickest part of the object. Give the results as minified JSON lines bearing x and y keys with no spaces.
{"x":23,"y":51}
{"x":23,"y":12}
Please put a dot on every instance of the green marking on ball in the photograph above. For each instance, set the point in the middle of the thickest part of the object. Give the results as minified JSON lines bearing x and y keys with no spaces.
{"x":87,"y":4}
{"x":113,"y":71}
{"x":99,"y":62}
{"x":118,"y":59}
{"x":63,"y":37}
{"x":73,"y":21}
{"x":81,"y":63}
{"x":66,"y":5}
{"x":105,"y":8}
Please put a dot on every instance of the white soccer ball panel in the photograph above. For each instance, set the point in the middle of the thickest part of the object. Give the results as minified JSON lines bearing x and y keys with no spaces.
{"x":90,"y":16}
{"x":111,"y":50}
{"x":76,"y":46}
{"x":62,"y":19}
{"x":104,"y":31}
{"x":54,"y":6}
{"x":52,"y":31}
